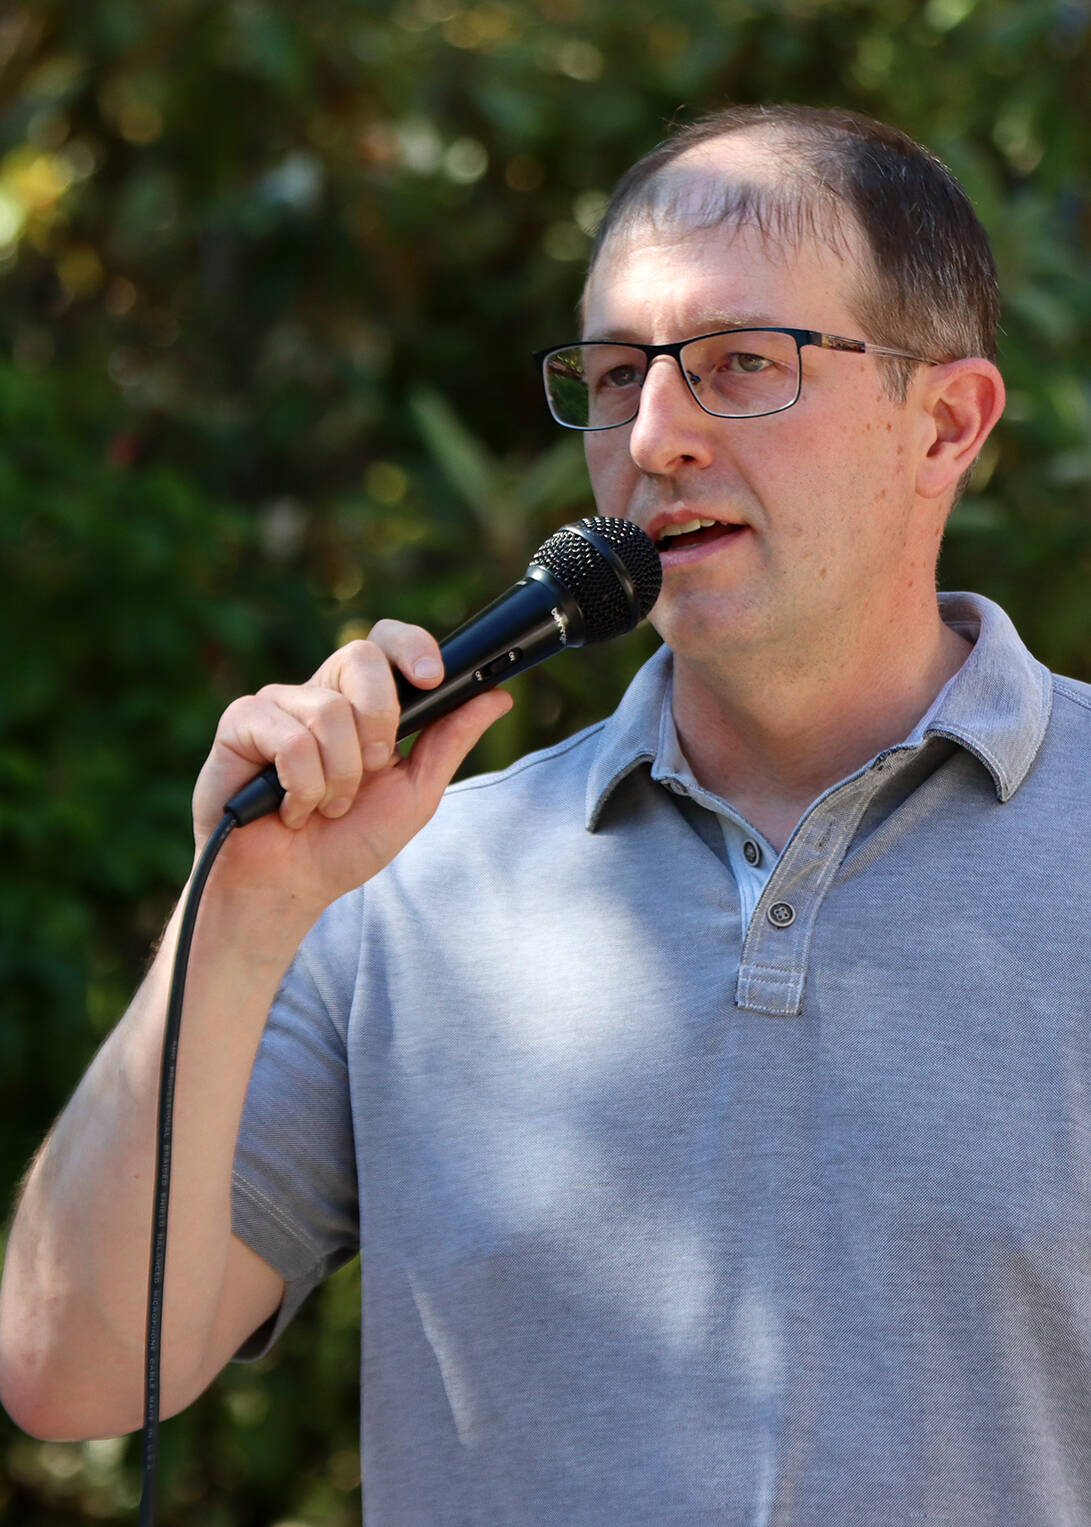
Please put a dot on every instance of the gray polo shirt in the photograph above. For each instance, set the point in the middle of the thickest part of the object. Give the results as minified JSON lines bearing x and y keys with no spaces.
{"x":671,"y":1218}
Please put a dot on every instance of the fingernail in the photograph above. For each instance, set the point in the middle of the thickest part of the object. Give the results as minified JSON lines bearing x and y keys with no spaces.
{"x":338,"y":808}
{"x":376,"y":755}
{"x":427,"y":668}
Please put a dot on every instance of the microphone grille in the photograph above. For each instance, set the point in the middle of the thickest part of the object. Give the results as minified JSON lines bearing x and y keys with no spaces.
{"x":612,"y":600}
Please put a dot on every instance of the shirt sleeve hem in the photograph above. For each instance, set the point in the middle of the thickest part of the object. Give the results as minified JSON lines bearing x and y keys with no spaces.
{"x":267,"y":1231}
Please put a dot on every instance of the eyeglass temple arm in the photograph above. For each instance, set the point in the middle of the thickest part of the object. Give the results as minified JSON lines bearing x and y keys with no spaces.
{"x":864,"y":347}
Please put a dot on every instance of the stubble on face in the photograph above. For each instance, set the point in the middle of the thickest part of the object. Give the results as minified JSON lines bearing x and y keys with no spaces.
{"x":821,"y":486}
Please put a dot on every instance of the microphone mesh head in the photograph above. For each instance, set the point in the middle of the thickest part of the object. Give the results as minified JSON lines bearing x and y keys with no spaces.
{"x":595,"y":584}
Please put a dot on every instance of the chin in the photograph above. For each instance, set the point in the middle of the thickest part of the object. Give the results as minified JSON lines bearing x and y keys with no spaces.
{"x":709,"y":631}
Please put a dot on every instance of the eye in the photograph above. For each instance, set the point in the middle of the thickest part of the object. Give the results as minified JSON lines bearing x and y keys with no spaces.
{"x":625,"y":375}
{"x":746,"y":361}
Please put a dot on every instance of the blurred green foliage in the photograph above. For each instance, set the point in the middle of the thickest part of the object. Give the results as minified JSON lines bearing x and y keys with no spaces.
{"x":269,"y":280}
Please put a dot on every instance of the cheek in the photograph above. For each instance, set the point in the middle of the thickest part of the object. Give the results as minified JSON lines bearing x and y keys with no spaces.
{"x":859,"y":456}
{"x":609,"y":465}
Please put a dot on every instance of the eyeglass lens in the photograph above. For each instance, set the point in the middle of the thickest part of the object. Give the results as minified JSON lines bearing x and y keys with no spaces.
{"x":747,"y":372}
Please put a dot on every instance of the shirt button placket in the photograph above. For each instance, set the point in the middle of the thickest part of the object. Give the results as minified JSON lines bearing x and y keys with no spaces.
{"x":776,"y":949}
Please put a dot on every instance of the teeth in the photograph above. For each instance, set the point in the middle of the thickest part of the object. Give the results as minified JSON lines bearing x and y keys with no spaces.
{"x":686,"y":528}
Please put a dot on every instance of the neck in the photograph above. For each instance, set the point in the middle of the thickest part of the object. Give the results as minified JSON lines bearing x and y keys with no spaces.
{"x":771,"y":738}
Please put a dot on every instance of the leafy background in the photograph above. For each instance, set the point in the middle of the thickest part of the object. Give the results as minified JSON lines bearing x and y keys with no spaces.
{"x":269,"y":280}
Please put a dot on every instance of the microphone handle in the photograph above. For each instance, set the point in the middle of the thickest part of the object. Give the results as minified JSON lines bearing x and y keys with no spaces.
{"x":535,"y":619}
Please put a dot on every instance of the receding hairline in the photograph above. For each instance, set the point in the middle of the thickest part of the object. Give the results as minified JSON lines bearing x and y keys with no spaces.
{"x":758,"y":183}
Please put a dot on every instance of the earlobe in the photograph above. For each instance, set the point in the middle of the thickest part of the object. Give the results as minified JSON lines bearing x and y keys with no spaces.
{"x":962,"y":401}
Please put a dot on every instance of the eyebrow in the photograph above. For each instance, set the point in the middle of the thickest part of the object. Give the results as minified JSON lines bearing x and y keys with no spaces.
{"x":710,"y":325}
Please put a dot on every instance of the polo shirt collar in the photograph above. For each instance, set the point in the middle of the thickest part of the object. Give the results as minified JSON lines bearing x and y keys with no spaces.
{"x":997,"y":707}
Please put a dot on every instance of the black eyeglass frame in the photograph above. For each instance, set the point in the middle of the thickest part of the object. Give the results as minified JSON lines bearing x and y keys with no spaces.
{"x":675,"y":347}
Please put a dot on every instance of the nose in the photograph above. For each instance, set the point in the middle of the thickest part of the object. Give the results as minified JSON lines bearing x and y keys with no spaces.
{"x":671,"y":430}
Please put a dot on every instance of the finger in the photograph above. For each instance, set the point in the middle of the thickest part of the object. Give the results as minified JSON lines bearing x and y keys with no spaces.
{"x":361,"y":672}
{"x":329,"y":719}
{"x":411,"y":649}
{"x":259,"y":730}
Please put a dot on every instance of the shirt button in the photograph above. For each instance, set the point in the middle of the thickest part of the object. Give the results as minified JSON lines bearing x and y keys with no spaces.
{"x":781,"y":914}
{"x":751,"y":852}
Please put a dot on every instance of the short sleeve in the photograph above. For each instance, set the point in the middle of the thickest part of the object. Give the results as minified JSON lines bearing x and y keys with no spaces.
{"x":294,"y":1187}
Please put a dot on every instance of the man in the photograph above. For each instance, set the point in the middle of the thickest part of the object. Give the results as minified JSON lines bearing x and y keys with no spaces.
{"x":708,"y":1095}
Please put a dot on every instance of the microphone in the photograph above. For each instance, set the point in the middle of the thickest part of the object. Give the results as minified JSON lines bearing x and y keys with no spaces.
{"x":592,"y":580}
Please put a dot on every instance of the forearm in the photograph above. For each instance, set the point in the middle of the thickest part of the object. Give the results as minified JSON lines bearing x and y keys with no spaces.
{"x":72,"y":1307}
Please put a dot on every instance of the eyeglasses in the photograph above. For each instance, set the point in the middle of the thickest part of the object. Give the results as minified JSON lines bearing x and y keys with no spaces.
{"x":732,"y":374}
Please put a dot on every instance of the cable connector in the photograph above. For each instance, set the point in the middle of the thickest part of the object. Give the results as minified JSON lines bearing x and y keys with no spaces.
{"x":261,"y":796}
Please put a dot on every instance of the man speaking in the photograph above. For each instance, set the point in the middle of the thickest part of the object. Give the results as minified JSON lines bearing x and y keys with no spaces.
{"x":708,"y":1096}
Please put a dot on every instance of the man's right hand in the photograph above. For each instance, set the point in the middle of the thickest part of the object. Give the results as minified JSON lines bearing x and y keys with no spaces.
{"x":351,"y":801}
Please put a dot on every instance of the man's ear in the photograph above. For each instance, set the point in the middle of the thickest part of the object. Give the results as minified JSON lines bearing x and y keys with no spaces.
{"x":960,"y":402}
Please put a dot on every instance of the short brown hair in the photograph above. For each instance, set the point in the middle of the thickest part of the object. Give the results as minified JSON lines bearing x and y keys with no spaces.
{"x":932,"y":288}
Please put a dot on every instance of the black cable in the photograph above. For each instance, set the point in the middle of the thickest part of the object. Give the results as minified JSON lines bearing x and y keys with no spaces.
{"x":164,"y":1130}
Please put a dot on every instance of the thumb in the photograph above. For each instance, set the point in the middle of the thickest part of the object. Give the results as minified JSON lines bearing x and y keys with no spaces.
{"x":442,"y":747}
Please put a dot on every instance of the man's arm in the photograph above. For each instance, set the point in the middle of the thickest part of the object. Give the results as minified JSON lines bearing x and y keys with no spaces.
{"x":73,"y":1296}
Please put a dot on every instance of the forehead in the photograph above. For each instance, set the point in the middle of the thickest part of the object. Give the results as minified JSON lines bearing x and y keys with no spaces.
{"x":728,"y":229}
{"x":660,"y":286}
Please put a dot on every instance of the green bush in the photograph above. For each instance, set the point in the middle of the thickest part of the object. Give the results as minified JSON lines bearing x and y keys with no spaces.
{"x":271,"y":276}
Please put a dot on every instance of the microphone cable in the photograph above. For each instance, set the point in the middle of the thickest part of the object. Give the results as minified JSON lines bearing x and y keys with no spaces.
{"x":258,"y":798}
{"x":164,"y":1138}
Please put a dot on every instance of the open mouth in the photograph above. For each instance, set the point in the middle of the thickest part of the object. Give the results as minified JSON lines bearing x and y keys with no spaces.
{"x":694,"y":533}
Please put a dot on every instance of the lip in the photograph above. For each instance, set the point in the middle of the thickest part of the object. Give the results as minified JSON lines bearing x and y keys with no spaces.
{"x":673,"y":554}
{"x":668,"y":517}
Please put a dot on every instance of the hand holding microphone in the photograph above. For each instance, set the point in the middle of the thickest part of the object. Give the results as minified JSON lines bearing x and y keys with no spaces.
{"x":591,"y":580}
